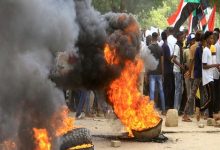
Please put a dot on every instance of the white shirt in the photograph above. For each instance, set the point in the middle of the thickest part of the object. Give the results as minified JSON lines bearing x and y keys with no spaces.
{"x":207,"y":74}
{"x":217,"y":45}
{"x":143,"y":53}
{"x":215,"y":70}
{"x":176,"y":53}
{"x":160,"y":43}
{"x":171,"y":41}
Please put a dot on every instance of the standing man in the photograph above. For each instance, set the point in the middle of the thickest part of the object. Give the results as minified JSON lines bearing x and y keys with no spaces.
{"x":178,"y":69}
{"x":168,"y":82}
{"x":207,"y":71}
{"x":188,"y":62}
{"x":171,"y":40}
{"x":155,"y":76}
{"x":216,"y":72}
{"x":142,"y":54}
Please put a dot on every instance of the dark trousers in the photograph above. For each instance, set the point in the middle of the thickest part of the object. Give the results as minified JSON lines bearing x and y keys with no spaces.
{"x":169,"y":90}
{"x":210,"y":98}
{"x":83,"y":100}
{"x":195,"y":86}
{"x":217,"y":96}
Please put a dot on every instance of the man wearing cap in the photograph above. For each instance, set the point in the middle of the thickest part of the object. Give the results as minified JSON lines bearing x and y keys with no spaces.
{"x":189,"y":107}
{"x":187,"y":62}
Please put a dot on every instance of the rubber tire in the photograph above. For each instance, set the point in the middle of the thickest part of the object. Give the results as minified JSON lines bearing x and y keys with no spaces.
{"x":91,"y":148}
{"x":76,"y":137}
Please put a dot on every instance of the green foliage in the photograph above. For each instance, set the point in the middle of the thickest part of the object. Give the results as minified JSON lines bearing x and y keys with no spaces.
{"x":157,"y":17}
{"x":148,"y":12}
{"x":101,"y":5}
{"x":131,"y":6}
{"x":217,"y":21}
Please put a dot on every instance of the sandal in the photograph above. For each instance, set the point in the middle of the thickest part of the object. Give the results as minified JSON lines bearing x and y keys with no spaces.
{"x":186,"y":119}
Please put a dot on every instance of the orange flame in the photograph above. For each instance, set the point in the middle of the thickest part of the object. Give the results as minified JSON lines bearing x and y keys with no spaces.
{"x":110,"y":55}
{"x":62,"y":122}
{"x":135,"y":111}
{"x":84,"y":146}
{"x":41,"y":139}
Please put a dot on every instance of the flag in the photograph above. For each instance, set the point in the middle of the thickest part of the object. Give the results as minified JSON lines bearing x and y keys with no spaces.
{"x":185,"y":8}
{"x":199,"y":17}
{"x":211,"y":21}
{"x":190,"y":29}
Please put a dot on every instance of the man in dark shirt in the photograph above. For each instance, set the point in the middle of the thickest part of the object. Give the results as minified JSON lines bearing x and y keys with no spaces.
{"x":168,"y":83}
{"x":155,"y":76}
{"x":196,"y":83}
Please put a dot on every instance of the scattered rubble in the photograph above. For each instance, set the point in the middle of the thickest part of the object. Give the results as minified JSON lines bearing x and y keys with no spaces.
{"x":115,"y":143}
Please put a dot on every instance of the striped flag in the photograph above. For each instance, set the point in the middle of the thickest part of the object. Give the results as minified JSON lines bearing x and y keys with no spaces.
{"x":204,"y":20}
{"x":185,"y":8}
{"x":198,"y":19}
{"x":190,"y":29}
{"x":211,"y":21}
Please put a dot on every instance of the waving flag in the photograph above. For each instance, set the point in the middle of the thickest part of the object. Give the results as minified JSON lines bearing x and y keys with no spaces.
{"x":185,"y":8}
{"x":211,"y":21}
{"x":203,"y":19}
{"x":198,"y":18}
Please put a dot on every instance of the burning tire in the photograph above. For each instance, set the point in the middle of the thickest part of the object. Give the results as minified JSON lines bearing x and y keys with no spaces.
{"x":76,"y":137}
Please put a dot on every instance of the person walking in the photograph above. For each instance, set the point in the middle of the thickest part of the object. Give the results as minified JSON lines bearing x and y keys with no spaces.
{"x":195,"y":72}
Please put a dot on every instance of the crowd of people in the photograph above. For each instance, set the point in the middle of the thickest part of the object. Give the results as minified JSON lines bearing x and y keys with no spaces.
{"x":187,"y":74}
{"x":186,"y":77}
{"x":87,"y":103}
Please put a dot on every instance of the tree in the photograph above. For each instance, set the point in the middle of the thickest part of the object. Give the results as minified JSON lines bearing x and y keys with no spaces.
{"x":148,"y":12}
{"x":130,"y":6}
{"x":157,"y":17}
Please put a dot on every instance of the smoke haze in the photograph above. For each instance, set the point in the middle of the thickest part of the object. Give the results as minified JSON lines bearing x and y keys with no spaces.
{"x":31,"y":32}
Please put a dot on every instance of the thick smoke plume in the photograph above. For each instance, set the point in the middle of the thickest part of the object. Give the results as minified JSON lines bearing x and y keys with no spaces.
{"x":91,"y":70}
{"x":31,"y":31}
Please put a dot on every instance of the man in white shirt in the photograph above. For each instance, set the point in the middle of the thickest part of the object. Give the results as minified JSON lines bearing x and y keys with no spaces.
{"x":142,"y":74}
{"x":207,"y":71}
{"x":178,"y":69}
{"x":171,"y":40}
{"x":216,"y":73}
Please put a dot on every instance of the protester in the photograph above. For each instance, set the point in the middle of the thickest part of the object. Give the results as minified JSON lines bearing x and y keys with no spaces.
{"x":171,"y":40}
{"x":207,"y":71}
{"x":148,"y":40}
{"x":187,"y":78}
{"x":83,"y":101}
{"x":155,"y":76}
{"x":168,"y":82}
{"x":216,"y":73}
{"x":142,"y":74}
{"x":195,"y":73}
{"x":178,"y":69}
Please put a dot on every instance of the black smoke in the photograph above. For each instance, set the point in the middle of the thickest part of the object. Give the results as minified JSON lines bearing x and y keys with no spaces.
{"x":91,"y":70}
{"x":31,"y":31}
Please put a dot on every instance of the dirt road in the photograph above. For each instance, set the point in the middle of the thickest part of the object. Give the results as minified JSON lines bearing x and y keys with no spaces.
{"x":187,"y":136}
